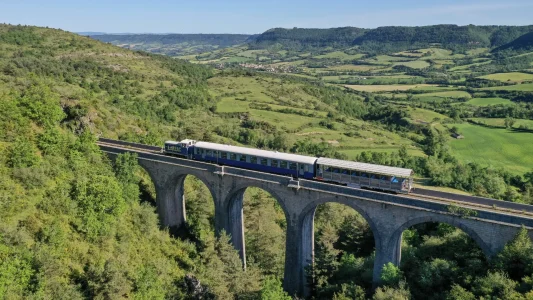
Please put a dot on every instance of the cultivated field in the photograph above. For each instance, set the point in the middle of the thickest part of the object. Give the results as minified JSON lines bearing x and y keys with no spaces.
{"x":500,"y":148}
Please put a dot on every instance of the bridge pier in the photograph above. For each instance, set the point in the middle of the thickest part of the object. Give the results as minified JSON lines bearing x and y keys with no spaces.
{"x":236,"y":224}
{"x":388,"y":250}
{"x":170,"y":201}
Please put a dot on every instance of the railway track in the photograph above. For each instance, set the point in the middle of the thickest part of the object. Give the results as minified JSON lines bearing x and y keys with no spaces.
{"x":471,"y":202}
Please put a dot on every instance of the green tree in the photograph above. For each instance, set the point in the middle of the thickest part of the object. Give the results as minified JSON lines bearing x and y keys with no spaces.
{"x":51,"y":141}
{"x":516,"y":258}
{"x":100,"y":202}
{"x":390,"y":274}
{"x":22,"y":153}
{"x":272,"y":289}
{"x":459,"y":293}
{"x":509,"y":122}
{"x":390,"y":293}
{"x":350,"y":292}
{"x":41,"y":104}
{"x":496,"y":285}
{"x":125,"y":169}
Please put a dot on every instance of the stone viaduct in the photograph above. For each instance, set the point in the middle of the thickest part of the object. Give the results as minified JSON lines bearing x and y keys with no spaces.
{"x":388,"y":215}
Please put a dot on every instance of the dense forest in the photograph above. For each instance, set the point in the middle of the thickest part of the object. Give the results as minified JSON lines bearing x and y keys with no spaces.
{"x":74,"y":225}
{"x":392,"y":38}
{"x":521,"y":44}
{"x":303,"y":38}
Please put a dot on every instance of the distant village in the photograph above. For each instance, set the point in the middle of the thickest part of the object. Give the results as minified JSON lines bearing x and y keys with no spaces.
{"x":260,"y":67}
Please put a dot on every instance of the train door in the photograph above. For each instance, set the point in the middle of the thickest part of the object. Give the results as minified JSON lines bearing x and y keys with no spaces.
{"x":301,"y":170}
{"x":319,"y":171}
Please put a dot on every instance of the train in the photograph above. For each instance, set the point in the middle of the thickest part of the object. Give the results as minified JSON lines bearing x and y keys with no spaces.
{"x":343,"y":172}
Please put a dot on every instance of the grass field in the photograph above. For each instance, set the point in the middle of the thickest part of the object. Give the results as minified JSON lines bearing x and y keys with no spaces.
{"x":513,"y":76}
{"x":353,"y":68}
{"x":516,"y":87}
{"x":488,"y":101}
{"x":424,"y":116}
{"x":446,"y":94}
{"x":415,"y":64}
{"x":501,"y":122}
{"x":385,"y":88}
{"x":340,"y":55}
{"x":500,"y":148}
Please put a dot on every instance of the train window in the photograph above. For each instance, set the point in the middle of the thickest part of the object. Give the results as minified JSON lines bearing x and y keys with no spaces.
{"x":253,"y":159}
{"x":243,"y":158}
{"x":264,"y":161}
{"x":209,"y":152}
{"x":344,"y":171}
{"x":306,"y":168}
{"x":335,"y":170}
{"x":232,"y":156}
{"x":204,"y":151}
{"x":364,"y":175}
{"x":354,"y":173}
{"x":292,"y":166}
{"x":327,"y":169}
{"x":274,"y":163}
{"x":283,"y":164}
{"x":224,"y":155}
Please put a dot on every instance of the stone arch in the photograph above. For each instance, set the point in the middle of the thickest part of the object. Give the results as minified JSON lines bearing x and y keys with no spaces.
{"x":306,"y":226}
{"x":311,"y":208}
{"x":233,"y":208}
{"x":168,"y":182}
{"x":395,"y":240}
{"x":241,"y":188}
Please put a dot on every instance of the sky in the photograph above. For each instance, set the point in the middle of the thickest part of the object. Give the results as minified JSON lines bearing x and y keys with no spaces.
{"x":250,"y":16}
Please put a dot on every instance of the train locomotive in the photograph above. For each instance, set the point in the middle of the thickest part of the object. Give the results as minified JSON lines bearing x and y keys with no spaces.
{"x":349,"y":173}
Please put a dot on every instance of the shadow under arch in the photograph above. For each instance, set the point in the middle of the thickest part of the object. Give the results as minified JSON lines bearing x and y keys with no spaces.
{"x":307,"y":239}
{"x":450,"y":220}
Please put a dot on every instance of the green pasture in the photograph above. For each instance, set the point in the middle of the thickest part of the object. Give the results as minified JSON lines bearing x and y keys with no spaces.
{"x":477,"y":51}
{"x":415,"y":64}
{"x":516,"y":87}
{"x":340,"y":55}
{"x":385,"y":88}
{"x":425,"y":116}
{"x":512,"y":76}
{"x":500,"y":148}
{"x":353,"y":68}
{"x":488,"y":101}
{"x":446,"y":94}
{"x":500,"y":122}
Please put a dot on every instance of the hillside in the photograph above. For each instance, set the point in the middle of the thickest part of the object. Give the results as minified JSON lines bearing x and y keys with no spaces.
{"x":522,"y":44}
{"x":391,"y":38}
{"x":304,"y":38}
{"x":74,"y":225}
{"x":174,"y":44}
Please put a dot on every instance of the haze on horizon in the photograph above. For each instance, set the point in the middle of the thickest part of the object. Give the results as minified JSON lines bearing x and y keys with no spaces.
{"x":240,"y":16}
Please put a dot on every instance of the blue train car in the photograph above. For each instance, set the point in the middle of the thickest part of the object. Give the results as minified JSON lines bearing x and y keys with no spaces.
{"x":183,"y":148}
{"x":297,"y":166}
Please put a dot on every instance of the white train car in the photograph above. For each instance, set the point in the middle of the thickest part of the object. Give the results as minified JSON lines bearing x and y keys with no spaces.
{"x":363,"y":175}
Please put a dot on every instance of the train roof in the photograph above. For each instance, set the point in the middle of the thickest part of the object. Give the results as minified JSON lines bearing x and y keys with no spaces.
{"x":257,"y":152}
{"x":370,"y":168}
